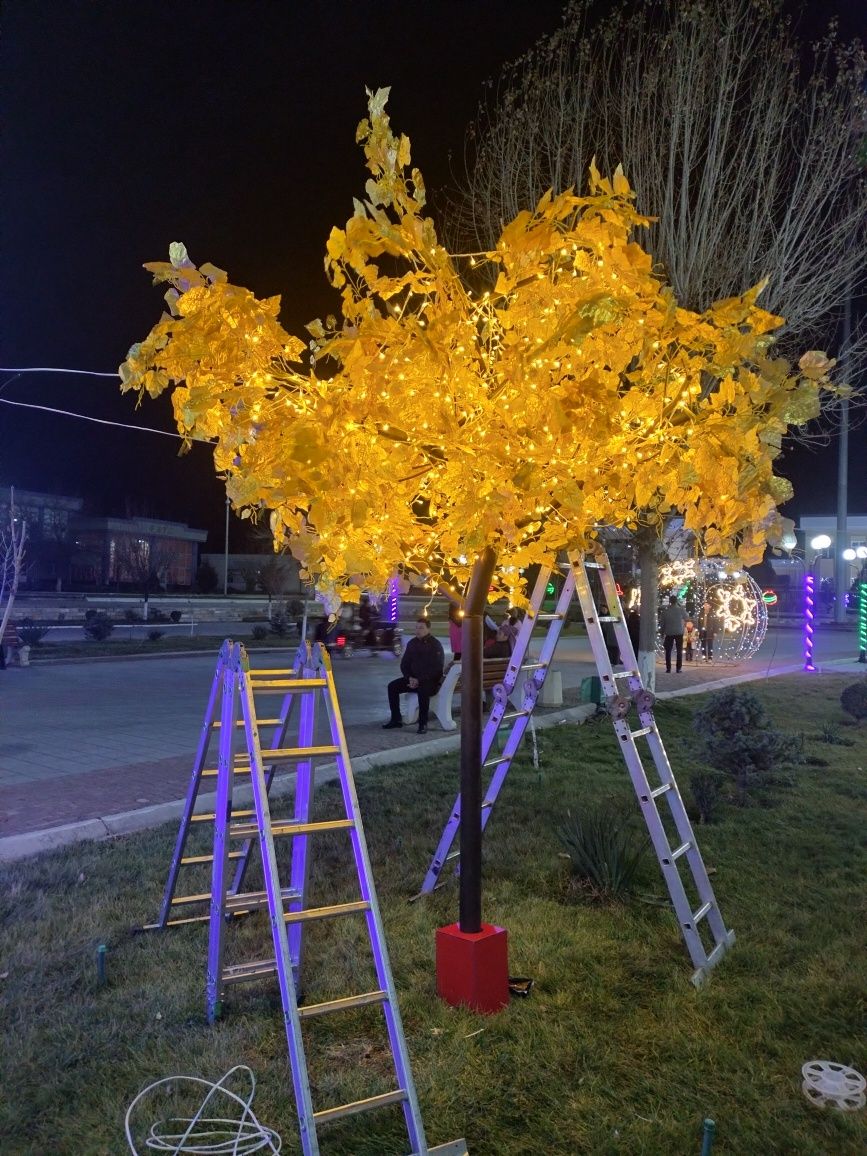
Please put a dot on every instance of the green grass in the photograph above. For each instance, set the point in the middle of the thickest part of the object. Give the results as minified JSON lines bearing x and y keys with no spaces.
{"x":614,"y":1051}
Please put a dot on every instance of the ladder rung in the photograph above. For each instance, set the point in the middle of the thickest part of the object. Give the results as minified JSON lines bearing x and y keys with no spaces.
{"x":533,"y":666}
{"x":239,"y":972}
{"x":606,"y":618}
{"x":255,"y":900}
{"x":681,"y":850}
{"x":451,"y":855}
{"x":268,"y":672}
{"x":213,"y":772}
{"x":624,"y":674}
{"x":642,"y":731}
{"x":660,"y":790}
{"x":190,"y":859}
{"x":329,"y":1114}
{"x":548,"y":617}
{"x":333,"y":1005}
{"x":595,"y":566}
{"x":210,"y":816}
{"x":513,"y":714}
{"x":299,"y":684}
{"x":263,"y":722}
{"x":289,"y":827}
{"x":288,"y":754}
{"x":496,"y":762}
{"x":180,"y":922}
{"x":702,"y":912}
{"x":311,"y":913}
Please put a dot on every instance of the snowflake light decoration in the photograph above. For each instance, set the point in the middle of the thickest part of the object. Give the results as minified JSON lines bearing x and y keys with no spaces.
{"x":739,"y":611}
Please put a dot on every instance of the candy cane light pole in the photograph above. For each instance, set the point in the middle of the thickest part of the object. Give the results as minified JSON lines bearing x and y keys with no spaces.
{"x":819,"y":543}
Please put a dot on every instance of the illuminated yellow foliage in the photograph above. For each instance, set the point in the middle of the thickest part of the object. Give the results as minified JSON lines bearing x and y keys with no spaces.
{"x":515,"y":399}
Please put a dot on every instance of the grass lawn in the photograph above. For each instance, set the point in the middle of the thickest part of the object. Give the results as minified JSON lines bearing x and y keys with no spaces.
{"x":614,"y":1051}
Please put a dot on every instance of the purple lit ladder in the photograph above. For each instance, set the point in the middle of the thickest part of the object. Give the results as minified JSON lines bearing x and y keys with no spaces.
{"x":705,"y":914}
{"x":310,"y":679}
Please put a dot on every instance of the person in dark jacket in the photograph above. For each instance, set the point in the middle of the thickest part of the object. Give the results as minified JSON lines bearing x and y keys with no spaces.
{"x":422,"y":670}
{"x":672,"y":620}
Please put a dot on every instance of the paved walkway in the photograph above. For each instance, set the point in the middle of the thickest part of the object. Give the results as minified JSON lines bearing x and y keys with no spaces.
{"x":103,"y":747}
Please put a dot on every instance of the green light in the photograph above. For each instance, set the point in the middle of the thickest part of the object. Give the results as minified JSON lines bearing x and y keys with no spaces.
{"x":862,"y":622}
{"x":549,"y":589}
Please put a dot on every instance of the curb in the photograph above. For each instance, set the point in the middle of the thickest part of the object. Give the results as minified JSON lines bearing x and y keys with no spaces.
{"x":14,"y":847}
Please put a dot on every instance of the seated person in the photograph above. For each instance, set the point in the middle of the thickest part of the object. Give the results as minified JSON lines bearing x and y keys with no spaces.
{"x":422,"y":672}
{"x":500,"y":646}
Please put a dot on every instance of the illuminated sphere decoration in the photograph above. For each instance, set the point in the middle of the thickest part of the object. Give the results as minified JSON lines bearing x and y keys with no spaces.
{"x":739,"y":607}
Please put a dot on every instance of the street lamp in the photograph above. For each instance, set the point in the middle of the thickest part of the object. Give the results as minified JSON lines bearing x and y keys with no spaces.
{"x":226,"y":554}
{"x":818,"y":544}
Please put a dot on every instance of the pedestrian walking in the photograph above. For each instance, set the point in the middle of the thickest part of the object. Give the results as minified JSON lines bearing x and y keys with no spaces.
{"x":673,"y":623}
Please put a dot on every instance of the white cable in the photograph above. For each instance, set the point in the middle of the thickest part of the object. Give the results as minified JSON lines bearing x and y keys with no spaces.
{"x":217,"y":1136}
{"x":85,"y":372}
{"x":85,"y":417}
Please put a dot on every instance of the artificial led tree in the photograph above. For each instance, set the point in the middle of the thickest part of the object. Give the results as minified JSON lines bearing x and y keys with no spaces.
{"x":483,"y":410}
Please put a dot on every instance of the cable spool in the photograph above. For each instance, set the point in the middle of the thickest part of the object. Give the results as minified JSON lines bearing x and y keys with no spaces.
{"x":830,"y":1085}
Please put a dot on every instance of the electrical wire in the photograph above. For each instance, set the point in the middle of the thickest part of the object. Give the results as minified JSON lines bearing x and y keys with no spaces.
{"x":216,"y":1136}
{"x":86,"y":417}
{"x":85,"y":372}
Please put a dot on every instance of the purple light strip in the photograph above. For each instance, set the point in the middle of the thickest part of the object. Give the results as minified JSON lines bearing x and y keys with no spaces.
{"x":809,"y":603}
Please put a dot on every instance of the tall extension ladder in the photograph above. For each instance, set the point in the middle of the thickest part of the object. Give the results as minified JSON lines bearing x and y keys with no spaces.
{"x":623,"y":689}
{"x":236,"y":690}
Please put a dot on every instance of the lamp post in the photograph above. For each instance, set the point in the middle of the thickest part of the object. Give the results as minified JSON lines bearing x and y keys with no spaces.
{"x":226,"y":553}
{"x":819,"y":543}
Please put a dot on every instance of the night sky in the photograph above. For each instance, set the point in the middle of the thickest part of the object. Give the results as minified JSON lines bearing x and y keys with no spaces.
{"x":228,"y":125}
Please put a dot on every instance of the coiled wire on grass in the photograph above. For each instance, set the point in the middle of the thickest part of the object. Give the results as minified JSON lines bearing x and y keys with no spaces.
{"x":207,"y":1136}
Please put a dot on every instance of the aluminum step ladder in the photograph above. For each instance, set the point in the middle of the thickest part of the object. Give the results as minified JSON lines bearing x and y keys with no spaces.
{"x":670,"y":831}
{"x":622,"y":689}
{"x":237,"y":692}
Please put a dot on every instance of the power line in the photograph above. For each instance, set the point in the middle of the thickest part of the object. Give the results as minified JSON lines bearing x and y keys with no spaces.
{"x":85,"y":372}
{"x":86,"y":417}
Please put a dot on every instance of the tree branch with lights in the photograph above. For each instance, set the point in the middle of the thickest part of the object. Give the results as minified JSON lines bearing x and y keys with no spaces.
{"x":436,"y":418}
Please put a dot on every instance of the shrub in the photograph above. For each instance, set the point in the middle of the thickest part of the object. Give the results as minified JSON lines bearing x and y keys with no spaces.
{"x":30,"y":633}
{"x":130,"y":615}
{"x":260,"y":632}
{"x":279,"y":625}
{"x":605,"y":850}
{"x":89,"y":615}
{"x":155,"y":635}
{"x":175,"y":616}
{"x":831,"y":734}
{"x":157,"y":615}
{"x":854,"y":699}
{"x":707,"y":791}
{"x":98,"y":627}
{"x":737,"y":738}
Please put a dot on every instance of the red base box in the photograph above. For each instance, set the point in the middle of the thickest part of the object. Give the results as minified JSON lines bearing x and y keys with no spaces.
{"x":473,"y":970}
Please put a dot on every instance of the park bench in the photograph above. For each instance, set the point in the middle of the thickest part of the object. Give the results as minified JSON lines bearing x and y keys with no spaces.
{"x":441,"y":703}
{"x":11,"y":641}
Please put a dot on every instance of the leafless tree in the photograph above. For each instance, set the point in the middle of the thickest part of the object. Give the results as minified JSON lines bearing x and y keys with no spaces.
{"x":145,"y":562}
{"x":13,"y":540}
{"x":746,"y":144}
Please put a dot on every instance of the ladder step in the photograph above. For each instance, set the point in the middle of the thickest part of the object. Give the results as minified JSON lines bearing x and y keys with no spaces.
{"x":240,"y":972}
{"x":624,"y":674}
{"x":642,"y":731}
{"x":190,"y":859}
{"x":496,"y":762}
{"x":533,"y":666}
{"x":681,"y":850}
{"x":210,"y":816}
{"x":329,"y":1114}
{"x":256,"y":900}
{"x":333,"y":1005}
{"x":288,"y":827}
{"x":548,"y":617}
{"x":702,"y":912}
{"x":660,"y":790}
{"x":262,"y":722}
{"x":606,"y":618}
{"x":513,"y":714}
{"x":595,"y":566}
{"x":268,"y":672}
{"x":282,"y":684}
{"x":310,"y":913}
{"x":278,"y":755}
